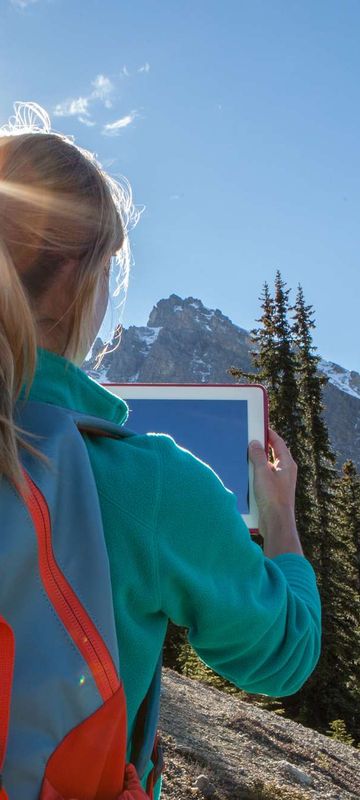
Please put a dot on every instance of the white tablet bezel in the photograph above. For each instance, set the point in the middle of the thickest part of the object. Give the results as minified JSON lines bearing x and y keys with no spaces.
{"x":258,"y":409}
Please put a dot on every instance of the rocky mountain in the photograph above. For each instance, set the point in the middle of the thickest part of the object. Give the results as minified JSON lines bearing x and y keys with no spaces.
{"x":185,"y":342}
{"x":221,"y":747}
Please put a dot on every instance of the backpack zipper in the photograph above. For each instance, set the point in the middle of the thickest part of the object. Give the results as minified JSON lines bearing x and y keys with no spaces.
{"x":66,"y":603}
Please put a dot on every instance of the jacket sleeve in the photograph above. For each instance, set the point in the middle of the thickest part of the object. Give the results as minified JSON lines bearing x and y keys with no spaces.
{"x":256,"y":621}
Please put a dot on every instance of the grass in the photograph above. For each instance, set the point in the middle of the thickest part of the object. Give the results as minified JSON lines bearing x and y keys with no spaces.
{"x":273,"y":791}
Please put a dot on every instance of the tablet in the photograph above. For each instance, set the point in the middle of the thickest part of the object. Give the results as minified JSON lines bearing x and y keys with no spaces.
{"x":215,"y":422}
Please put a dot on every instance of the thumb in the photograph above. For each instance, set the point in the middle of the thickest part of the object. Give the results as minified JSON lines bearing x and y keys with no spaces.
{"x":257,"y":453}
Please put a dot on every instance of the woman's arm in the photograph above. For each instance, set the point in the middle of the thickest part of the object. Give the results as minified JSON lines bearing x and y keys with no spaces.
{"x":254,"y":620}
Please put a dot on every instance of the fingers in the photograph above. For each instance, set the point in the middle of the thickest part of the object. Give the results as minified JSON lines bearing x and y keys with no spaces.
{"x":257,"y":454}
{"x":278,"y":445}
{"x":281,"y":452}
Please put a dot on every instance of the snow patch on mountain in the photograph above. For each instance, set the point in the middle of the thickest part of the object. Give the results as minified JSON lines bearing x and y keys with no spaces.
{"x":147,"y":336}
{"x":201,"y":369}
{"x":346,"y":380}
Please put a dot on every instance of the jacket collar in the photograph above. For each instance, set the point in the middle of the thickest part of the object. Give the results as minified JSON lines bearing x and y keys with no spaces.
{"x":62,"y":383}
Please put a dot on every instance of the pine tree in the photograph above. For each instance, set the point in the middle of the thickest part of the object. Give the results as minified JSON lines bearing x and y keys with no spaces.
{"x":277,"y":367}
{"x":349,"y":503}
{"x":289,"y":370}
{"x":327,"y":508}
{"x":290,"y":421}
{"x":326,"y":694}
{"x":311,"y":384}
{"x":345,"y":611}
{"x":306,"y":705}
{"x":291,"y":417}
{"x":264,"y":357}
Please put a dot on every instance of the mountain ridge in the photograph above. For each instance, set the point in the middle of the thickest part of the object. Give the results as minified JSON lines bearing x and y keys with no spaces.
{"x":186,"y":342}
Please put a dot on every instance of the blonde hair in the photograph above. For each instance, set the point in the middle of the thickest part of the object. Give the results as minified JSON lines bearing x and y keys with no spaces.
{"x":56,"y":204}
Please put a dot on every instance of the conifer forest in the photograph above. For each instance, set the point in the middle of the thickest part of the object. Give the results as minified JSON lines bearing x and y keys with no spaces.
{"x":327,"y":516}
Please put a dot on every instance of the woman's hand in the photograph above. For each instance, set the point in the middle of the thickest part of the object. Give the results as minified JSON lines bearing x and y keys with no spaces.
{"x":274,"y":484}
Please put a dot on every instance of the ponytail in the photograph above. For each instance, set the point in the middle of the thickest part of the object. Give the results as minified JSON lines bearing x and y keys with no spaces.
{"x":17,"y":366}
{"x":56,"y":205}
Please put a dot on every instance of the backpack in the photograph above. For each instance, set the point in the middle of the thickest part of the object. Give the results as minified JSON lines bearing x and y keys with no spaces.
{"x":63,"y":722}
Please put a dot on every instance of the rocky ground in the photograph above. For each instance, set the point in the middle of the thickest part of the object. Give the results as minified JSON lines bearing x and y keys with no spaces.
{"x":219,"y":747}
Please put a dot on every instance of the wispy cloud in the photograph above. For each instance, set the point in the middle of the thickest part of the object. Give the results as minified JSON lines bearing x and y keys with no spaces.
{"x":125,"y":72}
{"x":72,"y":107}
{"x":86,"y":121}
{"x":145,"y":67}
{"x":102,"y":90}
{"x":114,"y":128}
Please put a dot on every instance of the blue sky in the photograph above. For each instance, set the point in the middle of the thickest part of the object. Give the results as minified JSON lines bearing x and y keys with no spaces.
{"x":236,"y":122}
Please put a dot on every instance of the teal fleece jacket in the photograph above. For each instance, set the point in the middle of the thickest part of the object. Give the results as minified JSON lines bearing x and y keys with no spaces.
{"x":179,"y":549}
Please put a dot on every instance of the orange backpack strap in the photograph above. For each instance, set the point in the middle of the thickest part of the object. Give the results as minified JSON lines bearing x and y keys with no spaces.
{"x":89,"y":764}
{"x":7,"y":656}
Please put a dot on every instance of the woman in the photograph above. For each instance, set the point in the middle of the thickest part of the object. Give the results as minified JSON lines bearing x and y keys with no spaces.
{"x":253,"y":616}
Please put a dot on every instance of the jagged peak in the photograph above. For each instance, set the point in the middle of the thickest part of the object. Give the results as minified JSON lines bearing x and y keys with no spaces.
{"x":175,"y":304}
{"x":163,"y":315}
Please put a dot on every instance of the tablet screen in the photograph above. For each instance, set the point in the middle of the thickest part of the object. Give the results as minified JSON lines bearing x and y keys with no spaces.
{"x":216,"y":431}
{"x":215,"y":422}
